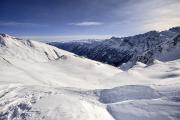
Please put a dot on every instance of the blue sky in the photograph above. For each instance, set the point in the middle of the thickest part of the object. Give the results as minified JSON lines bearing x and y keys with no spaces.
{"x":82,"y":19}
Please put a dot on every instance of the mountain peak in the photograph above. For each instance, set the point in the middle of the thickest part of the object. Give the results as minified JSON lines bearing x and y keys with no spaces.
{"x":28,"y":50}
{"x":113,"y":37}
{"x":2,"y":40}
{"x":4,"y":35}
{"x":175,"y":29}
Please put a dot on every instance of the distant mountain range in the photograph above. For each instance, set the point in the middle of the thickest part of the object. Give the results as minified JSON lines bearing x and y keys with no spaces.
{"x":126,"y":51}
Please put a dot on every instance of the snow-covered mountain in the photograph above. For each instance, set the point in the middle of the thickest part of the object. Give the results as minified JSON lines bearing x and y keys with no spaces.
{"x":27,"y":55}
{"x":125,"y":52}
{"x":42,"y":82}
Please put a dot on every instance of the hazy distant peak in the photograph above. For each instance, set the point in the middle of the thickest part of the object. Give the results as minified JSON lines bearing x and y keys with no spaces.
{"x":175,"y":29}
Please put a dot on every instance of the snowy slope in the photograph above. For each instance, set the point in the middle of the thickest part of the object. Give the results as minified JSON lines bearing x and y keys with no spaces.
{"x":30,"y":58}
{"x":38,"y":81}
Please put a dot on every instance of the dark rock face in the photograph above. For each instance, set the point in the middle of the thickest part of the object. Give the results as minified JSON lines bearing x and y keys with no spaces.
{"x":116,"y":51}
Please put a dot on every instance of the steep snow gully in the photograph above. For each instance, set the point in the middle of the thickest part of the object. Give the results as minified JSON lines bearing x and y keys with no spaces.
{"x":42,"y":82}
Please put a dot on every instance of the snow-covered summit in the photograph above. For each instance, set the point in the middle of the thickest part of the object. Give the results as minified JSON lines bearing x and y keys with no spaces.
{"x":4,"y":35}
{"x":28,"y":50}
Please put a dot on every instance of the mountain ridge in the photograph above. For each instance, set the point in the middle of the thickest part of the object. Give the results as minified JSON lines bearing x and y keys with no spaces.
{"x":120,"y":51}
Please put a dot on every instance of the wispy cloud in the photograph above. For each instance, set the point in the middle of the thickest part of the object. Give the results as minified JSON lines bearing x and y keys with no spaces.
{"x":87,"y":23}
{"x":21,"y":24}
{"x":148,"y":15}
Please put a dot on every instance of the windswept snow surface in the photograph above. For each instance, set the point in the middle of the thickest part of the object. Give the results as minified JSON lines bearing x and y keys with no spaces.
{"x":38,"y":81}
